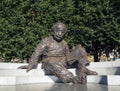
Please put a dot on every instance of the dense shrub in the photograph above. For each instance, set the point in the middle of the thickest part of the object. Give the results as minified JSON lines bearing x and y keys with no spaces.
{"x":23,"y":23}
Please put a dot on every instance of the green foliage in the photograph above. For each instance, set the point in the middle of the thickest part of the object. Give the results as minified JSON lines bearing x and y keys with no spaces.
{"x":96,"y":23}
{"x":23,"y":23}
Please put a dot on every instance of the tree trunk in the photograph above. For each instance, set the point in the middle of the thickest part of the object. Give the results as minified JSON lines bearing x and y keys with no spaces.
{"x":96,"y":50}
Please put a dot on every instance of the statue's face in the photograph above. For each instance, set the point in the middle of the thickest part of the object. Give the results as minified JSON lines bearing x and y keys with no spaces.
{"x":58,"y":31}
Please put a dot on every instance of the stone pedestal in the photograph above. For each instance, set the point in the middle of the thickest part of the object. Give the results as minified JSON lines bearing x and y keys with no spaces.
{"x":108,"y":74}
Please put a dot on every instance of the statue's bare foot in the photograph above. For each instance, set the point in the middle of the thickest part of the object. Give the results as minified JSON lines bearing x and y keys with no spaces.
{"x":90,"y":72}
{"x":81,"y":78}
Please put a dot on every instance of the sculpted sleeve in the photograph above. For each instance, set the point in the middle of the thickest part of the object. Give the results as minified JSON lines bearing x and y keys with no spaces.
{"x":68,"y":54}
{"x":38,"y":51}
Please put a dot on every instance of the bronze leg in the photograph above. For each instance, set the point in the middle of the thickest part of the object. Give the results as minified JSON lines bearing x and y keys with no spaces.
{"x":60,"y":71}
{"x":81,"y":70}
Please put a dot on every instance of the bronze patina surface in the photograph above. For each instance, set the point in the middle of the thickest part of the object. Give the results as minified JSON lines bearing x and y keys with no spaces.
{"x":56,"y":56}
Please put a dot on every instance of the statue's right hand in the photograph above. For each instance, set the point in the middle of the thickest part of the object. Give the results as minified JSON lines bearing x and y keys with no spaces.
{"x":23,"y":67}
{"x":27,"y":67}
{"x":32,"y":65}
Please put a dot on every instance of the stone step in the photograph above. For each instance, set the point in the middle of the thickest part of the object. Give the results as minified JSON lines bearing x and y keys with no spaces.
{"x":104,"y":64}
{"x":40,"y":72}
{"x":92,"y":65}
{"x":99,"y":79}
{"x":104,"y":79}
{"x":109,"y":74}
{"x":113,"y":80}
{"x":22,"y":72}
{"x":15,"y":80}
{"x":14,"y":65}
{"x":107,"y":70}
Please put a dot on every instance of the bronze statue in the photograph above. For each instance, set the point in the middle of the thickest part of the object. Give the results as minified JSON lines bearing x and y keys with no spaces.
{"x":56,"y":57}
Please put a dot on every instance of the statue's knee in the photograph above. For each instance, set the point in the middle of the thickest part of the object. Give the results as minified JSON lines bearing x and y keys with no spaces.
{"x":78,"y":46}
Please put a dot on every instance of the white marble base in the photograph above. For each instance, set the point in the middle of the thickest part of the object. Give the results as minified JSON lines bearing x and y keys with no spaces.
{"x":16,"y":80}
{"x":108,"y":74}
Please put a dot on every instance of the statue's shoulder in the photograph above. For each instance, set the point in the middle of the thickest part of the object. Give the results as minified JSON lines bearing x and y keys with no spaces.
{"x":65,"y":43}
{"x":46,"y":39}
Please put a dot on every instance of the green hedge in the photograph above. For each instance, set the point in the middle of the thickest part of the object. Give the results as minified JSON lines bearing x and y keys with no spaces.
{"x":23,"y":23}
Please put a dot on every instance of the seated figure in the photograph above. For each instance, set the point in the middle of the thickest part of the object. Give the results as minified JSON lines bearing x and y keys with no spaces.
{"x":56,"y":57}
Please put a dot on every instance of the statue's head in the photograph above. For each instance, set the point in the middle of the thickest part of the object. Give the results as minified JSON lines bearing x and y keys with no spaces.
{"x":58,"y":31}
